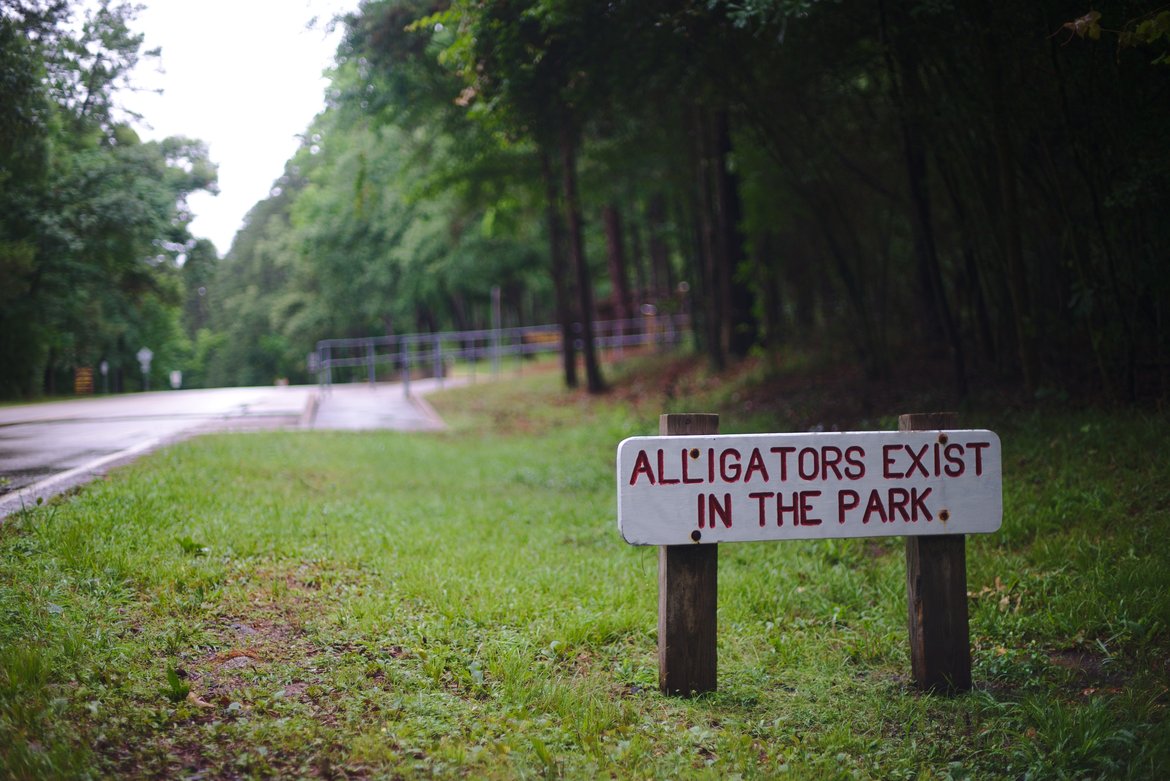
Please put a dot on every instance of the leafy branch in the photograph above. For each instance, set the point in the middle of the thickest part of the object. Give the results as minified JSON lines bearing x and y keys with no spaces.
{"x":1151,"y":29}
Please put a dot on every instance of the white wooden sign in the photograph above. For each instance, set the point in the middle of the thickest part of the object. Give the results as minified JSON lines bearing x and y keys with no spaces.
{"x":739,"y":488}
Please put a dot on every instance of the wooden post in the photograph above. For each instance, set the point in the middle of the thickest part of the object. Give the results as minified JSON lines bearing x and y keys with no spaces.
{"x":687,"y":580}
{"x":936,"y":590}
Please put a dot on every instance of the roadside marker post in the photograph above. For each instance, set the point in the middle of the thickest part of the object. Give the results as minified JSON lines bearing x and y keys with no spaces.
{"x":687,"y":589}
{"x":690,"y":488}
{"x":936,"y":595}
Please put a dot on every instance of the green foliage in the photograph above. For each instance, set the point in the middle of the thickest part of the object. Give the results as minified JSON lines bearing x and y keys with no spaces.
{"x":92,"y":221}
{"x":1007,"y":229}
{"x":1149,"y":30}
{"x":177,"y":689}
{"x":376,"y":227}
{"x":789,"y":161}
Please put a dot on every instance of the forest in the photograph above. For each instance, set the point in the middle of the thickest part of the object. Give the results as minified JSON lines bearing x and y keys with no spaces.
{"x":978,"y":186}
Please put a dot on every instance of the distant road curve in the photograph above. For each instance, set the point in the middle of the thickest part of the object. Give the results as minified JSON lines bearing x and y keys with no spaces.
{"x":47,"y":448}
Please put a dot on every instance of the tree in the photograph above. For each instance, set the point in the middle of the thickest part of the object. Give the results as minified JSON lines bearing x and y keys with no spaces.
{"x":91,"y":219}
{"x":527,"y":68}
{"x":794,"y":162}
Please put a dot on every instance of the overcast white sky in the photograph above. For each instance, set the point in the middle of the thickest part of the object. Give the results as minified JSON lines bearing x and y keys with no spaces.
{"x":243,"y":75}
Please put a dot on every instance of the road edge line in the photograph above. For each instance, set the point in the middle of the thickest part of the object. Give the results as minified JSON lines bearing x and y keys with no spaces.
{"x":27,"y":496}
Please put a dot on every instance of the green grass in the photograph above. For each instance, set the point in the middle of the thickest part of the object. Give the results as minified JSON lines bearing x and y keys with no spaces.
{"x":326,"y":605}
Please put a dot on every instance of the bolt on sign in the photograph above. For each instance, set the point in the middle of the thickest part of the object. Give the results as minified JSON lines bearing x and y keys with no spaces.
{"x":739,"y":488}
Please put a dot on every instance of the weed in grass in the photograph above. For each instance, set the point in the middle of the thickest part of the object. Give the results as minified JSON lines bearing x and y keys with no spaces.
{"x":176,"y":689}
{"x":192,"y":548}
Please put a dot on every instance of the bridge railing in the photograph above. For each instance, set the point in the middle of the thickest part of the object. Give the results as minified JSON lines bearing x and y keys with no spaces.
{"x":433,"y":354}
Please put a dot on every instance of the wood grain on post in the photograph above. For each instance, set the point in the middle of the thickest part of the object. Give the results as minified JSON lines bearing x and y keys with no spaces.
{"x":936,"y":590}
{"x":687,"y":588}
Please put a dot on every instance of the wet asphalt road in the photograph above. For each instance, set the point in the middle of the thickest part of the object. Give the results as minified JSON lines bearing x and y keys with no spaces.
{"x":50,"y":447}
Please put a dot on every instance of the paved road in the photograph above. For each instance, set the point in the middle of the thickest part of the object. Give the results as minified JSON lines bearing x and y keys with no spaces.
{"x":361,"y":406}
{"x":48,"y":448}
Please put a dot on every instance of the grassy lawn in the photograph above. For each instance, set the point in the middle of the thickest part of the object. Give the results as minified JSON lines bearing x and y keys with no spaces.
{"x":304,"y":604}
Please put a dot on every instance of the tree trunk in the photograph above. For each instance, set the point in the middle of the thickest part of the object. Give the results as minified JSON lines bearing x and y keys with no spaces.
{"x":594,"y":382}
{"x":1122,"y":301}
{"x":1008,"y":211}
{"x":866,"y":333}
{"x":927,"y":253}
{"x":710,"y":298}
{"x":616,"y":257}
{"x":908,"y":100}
{"x":976,"y":299}
{"x":424,"y":318}
{"x":638,"y":261}
{"x":556,"y":242}
{"x":661,"y":285}
{"x":766,"y":271}
{"x":739,"y":330}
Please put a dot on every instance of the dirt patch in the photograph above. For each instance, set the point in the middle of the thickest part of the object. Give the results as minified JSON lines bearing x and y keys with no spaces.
{"x":261,"y":649}
{"x":875,"y":549}
{"x":1092,"y":672}
{"x":234,"y":659}
{"x":294,"y":689}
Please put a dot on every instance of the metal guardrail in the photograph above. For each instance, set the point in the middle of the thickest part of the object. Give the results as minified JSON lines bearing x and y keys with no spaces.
{"x":433,"y":353}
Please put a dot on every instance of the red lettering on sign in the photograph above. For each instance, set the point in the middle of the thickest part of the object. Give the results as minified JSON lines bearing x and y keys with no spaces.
{"x":978,"y":448}
{"x":916,"y":460}
{"x":814,"y":469}
{"x":854,"y":456}
{"x":762,"y":497}
{"x":898,"y":485}
{"x":755,"y":464}
{"x":722,"y":510}
{"x":730,"y":473}
{"x":875,"y":505}
{"x":642,"y":467}
{"x":806,"y":508}
{"x":899,"y":498}
{"x":793,"y":508}
{"x":846,"y":500}
{"x":953,"y":453}
{"x":662,"y":478}
{"x":819,"y":463}
{"x":783,"y":452}
{"x":888,"y":461}
{"x":831,"y":459}
{"x":897,"y":502}
{"x":918,"y":502}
